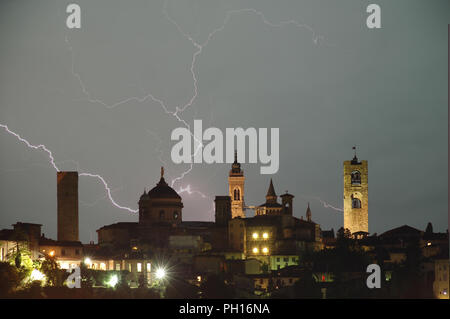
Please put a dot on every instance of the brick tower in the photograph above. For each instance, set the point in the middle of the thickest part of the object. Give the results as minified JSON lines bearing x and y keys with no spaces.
{"x":67,"y":206}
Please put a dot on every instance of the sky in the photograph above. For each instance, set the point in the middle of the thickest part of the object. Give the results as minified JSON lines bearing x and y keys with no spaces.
{"x":102,"y":100}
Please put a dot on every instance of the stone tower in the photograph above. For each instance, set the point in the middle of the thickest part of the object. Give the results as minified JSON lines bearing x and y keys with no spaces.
{"x":356,"y":209}
{"x":222,"y":210}
{"x":67,"y":198}
{"x":286,"y":202}
{"x":236,"y":181}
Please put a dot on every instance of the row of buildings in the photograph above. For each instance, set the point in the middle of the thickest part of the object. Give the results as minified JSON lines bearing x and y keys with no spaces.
{"x":254,"y":249}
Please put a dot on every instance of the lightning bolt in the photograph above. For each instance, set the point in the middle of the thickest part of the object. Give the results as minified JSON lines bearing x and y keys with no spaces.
{"x":188,"y":190}
{"x":149,"y":97}
{"x":53,"y":163}
{"x":199,"y":48}
{"x":324,"y":203}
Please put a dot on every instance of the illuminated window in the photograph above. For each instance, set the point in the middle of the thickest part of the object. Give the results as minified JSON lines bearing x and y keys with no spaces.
{"x":255,"y":235}
{"x":129,"y":267}
{"x":265,"y":250}
{"x":149,"y":267}
{"x":139,"y":267}
{"x":265,"y":235}
{"x":255,"y":250}
{"x":102,"y":266}
{"x":117,"y":267}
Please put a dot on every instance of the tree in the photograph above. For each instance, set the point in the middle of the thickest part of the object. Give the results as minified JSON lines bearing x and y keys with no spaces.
{"x":50,"y":269}
{"x":9,"y":279}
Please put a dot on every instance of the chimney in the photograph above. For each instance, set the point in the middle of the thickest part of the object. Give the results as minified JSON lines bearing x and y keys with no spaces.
{"x":67,"y":192}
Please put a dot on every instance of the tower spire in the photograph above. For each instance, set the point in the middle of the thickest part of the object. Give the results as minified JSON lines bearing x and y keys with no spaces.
{"x":271,"y":196}
{"x":308,"y":213}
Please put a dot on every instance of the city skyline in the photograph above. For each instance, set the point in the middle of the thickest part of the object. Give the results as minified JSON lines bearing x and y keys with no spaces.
{"x":327,"y":85}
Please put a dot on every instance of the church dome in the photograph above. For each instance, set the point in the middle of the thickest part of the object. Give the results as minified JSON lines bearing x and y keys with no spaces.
{"x":144,"y":196}
{"x":163,"y":190}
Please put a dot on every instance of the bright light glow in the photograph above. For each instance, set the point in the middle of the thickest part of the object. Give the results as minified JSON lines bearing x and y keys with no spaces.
{"x":139,"y":267}
{"x":428,"y":244}
{"x":64,"y":265}
{"x":160,"y":273}
{"x":102,"y":266}
{"x":113,"y":280}
{"x":255,"y":250}
{"x":88,"y":261}
{"x":135,"y":248}
{"x":37,"y":275}
{"x":265,"y":250}
{"x":199,"y":278}
{"x":255,"y":235}
{"x":52,"y":253}
{"x":265,"y":235}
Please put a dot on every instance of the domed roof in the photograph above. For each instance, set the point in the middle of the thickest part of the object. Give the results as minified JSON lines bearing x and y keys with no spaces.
{"x":163,"y":190}
{"x":144,"y":196}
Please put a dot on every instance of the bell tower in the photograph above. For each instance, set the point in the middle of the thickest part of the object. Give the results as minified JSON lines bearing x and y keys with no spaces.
{"x":236,"y":181}
{"x":356,"y":210}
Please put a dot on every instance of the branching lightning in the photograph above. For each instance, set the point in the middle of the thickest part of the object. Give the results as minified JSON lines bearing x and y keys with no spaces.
{"x":52,"y":162}
{"x":150,"y":97}
{"x":324,"y":203}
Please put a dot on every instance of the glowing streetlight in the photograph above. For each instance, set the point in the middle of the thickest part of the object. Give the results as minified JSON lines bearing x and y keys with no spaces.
{"x":265,"y":235}
{"x":88,"y":261}
{"x":255,"y":235}
{"x":52,"y":253}
{"x":160,"y":273}
{"x":113,"y":280}
{"x":265,"y":250}
{"x":255,"y":250}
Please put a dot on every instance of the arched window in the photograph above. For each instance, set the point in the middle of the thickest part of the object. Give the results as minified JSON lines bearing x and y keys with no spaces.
{"x":161,"y":214}
{"x":356,"y":203}
{"x":237,"y":194}
{"x":356,"y":177}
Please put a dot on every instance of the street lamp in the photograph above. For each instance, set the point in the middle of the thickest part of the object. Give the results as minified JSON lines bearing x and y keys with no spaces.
{"x":160,"y":273}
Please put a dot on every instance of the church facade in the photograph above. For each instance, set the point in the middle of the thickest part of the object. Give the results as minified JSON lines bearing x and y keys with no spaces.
{"x":272,"y":232}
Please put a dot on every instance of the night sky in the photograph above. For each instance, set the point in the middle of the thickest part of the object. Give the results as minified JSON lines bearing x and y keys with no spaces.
{"x":324,"y":79}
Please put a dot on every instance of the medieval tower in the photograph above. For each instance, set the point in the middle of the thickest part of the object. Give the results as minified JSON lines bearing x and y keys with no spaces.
{"x":236,"y":181}
{"x":67,"y":198}
{"x":356,"y":210}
